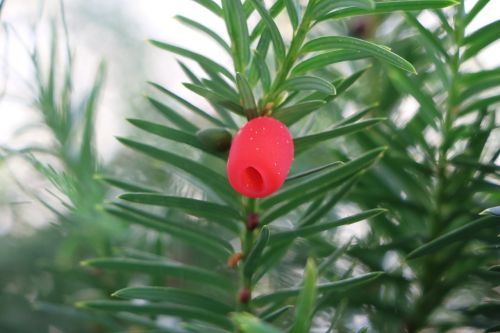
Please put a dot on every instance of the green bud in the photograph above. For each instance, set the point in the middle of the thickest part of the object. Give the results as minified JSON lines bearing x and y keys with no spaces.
{"x":215,"y":139}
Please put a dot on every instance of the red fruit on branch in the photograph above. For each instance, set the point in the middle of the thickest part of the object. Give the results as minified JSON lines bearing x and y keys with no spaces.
{"x":260,"y":157}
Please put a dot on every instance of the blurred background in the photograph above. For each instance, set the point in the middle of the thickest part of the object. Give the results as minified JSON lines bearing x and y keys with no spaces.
{"x":111,"y":35}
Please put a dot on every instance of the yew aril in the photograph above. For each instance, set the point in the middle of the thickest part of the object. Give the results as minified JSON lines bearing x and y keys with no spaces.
{"x":260,"y":157}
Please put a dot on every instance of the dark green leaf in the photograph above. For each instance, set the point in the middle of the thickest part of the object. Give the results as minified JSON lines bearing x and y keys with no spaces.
{"x":216,"y":98}
{"x":263,"y":71}
{"x":198,"y":26}
{"x":175,"y":296}
{"x":250,"y":324}
{"x":475,"y":165}
{"x":124,"y":185}
{"x":307,"y":142}
{"x":236,"y":24}
{"x":325,"y":205}
{"x":274,"y":315}
{"x":211,"y":6}
{"x":188,"y":104}
{"x":306,"y":300}
{"x":313,"y":171}
{"x":292,"y":8}
{"x":481,"y":38}
{"x":247,"y":97}
{"x":307,"y":231}
{"x":194,"y":56}
{"x":173,"y":116}
{"x":411,"y":86}
{"x":320,"y":61}
{"x":324,"y":179}
{"x":345,"y":284}
{"x":357,"y":116}
{"x":433,"y":41}
{"x":390,"y":6}
{"x":299,"y":83}
{"x":252,"y":260}
{"x":206,"y":243}
{"x":261,"y":51}
{"x":259,"y":29}
{"x":223,"y":215}
{"x":173,"y":269}
{"x":216,"y":182}
{"x":325,"y":6}
{"x":289,"y":115}
{"x":480,"y":104}
{"x":478,"y":6}
{"x":355,"y":44}
{"x":167,"y":132}
{"x":278,"y":44}
{"x":312,"y":193}
{"x":183,"y":312}
{"x":462,"y":233}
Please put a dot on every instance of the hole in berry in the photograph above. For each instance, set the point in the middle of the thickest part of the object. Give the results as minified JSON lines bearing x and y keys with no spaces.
{"x":252,"y":179}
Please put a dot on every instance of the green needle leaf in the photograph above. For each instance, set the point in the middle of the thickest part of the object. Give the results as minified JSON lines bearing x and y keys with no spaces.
{"x":299,"y":189}
{"x":320,"y":227}
{"x":223,"y":215}
{"x":213,"y":180}
{"x":326,"y":6}
{"x":388,"y":7}
{"x":292,"y":8}
{"x":308,"y":141}
{"x":216,"y":98}
{"x":306,"y":300}
{"x":175,"y":296}
{"x":184,"y":312}
{"x":481,"y":38}
{"x":236,"y":24}
{"x":320,"y":61}
{"x":200,"y":27}
{"x":211,"y":245}
{"x":247,"y":97}
{"x":463,"y":233}
{"x":289,"y":115}
{"x":173,"y":269}
{"x":252,"y":260}
{"x":299,"y":83}
{"x":345,"y":284}
{"x":355,"y":44}
{"x":173,"y":116}
{"x":167,"y":132}
{"x":250,"y":324}
{"x":211,"y":6}
{"x":202,"y":60}
{"x":278,"y":44}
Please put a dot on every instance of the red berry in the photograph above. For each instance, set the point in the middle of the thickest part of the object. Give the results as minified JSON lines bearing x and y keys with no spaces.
{"x":260,"y":157}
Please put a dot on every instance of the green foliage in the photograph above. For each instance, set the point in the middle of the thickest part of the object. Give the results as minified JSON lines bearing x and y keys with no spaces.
{"x":225,"y":263}
{"x":43,"y":263}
